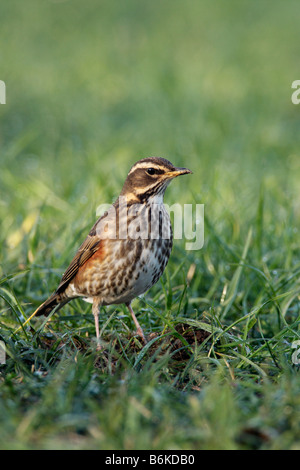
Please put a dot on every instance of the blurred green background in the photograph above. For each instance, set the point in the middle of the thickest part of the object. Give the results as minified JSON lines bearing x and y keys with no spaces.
{"x":93,"y":86}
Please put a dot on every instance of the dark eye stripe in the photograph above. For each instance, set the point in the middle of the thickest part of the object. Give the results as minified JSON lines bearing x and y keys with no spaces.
{"x":155,"y":171}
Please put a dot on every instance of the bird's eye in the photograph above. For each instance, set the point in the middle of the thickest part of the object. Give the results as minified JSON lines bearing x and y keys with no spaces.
{"x":151,"y":171}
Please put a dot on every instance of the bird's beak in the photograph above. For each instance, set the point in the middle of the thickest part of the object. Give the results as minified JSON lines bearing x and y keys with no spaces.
{"x":177,"y":172}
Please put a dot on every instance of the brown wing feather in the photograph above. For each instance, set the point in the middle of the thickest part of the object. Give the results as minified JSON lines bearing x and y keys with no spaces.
{"x":87,"y":249}
{"x":90,"y":245}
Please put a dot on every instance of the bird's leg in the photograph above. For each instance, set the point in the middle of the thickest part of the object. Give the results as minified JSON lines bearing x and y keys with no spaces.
{"x":95,"y":310}
{"x":138,"y":327}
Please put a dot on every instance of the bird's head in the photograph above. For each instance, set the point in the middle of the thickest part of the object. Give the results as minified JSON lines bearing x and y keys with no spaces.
{"x":149,"y":177}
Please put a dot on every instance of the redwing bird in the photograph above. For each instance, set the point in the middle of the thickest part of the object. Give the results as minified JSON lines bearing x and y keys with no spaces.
{"x":127,"y":249}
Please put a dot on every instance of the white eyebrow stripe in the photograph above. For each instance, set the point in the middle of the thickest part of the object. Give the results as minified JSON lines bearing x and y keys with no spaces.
{"x":144,"y":165}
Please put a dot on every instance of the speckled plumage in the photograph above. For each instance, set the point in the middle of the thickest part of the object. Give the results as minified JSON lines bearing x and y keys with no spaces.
{"x":130,"y":266}
{"x":127,"y":249}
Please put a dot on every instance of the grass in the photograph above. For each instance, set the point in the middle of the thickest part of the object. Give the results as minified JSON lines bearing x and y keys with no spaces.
{"x":90,"y":89}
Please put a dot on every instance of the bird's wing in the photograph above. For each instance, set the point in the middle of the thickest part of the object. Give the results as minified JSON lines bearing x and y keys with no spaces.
{"x":91,"y":244}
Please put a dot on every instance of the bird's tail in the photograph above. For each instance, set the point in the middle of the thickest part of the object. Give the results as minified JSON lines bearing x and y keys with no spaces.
{"x":55,"y":300}
{"x":48,"y":305}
